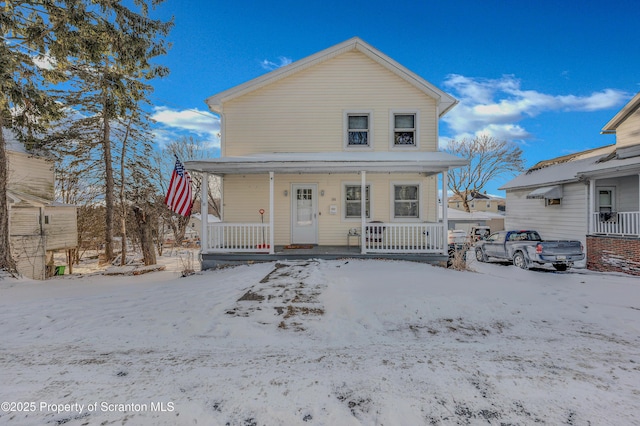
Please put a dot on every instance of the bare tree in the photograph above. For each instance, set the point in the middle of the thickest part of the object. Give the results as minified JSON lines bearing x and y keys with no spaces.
{"x":489,"y":158}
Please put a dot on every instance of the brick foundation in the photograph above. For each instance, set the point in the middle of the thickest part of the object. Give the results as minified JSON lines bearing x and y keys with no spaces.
{"x":613,"y":254}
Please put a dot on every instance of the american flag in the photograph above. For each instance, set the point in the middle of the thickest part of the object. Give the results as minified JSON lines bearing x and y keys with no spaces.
{"x":179,"y":193}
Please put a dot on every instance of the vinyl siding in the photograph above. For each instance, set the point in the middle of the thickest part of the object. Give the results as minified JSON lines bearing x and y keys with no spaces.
{"x":565,"y":221}
{"x":30,"y":175}
{"x":305,"y":112}
{"x":62,"y":230}
{"x":626,"y":192}
{"x":628,"y":133}
{"x":245,"y":195}
{"x":27,"y":243}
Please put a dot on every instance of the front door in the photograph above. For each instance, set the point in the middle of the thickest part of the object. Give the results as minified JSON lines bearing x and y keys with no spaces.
{"x":304,"y":214}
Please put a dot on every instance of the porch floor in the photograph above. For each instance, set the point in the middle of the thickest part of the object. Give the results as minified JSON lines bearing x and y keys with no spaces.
{"x":218,"y":260}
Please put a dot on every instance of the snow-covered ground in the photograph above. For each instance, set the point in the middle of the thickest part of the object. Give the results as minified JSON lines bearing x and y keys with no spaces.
{"x":345,"y":342}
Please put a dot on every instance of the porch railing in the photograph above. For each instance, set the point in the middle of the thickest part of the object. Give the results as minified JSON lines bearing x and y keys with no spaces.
{"x":238,"y":238}
{"x":404,"y":238}
{"x":617,"y":223}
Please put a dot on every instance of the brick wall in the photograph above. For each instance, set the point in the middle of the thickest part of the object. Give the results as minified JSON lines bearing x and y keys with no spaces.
{"x":613,"y":254}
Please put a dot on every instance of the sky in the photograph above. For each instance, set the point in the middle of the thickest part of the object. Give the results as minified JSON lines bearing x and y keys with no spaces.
{"x":547,"y":75}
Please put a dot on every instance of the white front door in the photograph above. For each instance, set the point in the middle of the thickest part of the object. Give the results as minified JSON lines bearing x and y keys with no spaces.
{"x":304,"y":213}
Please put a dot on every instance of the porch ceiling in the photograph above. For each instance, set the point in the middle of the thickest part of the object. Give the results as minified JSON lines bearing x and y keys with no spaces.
{"x":331,"y":162}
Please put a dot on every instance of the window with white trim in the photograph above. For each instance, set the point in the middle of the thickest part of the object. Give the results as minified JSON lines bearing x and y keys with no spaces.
{"x":606,"y":200}
{"x":406,"y":201}
{"x":404,"y":130}
{"x":353,"y":201}
{"x":358,"y":126}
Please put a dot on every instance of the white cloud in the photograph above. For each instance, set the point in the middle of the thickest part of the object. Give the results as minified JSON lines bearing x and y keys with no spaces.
{"x":270,"y":65}
{"x":175,"y":123}
{"x":496,"y":107}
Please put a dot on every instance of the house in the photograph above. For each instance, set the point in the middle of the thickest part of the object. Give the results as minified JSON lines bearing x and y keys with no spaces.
{"x":592,"y":196}
{"x":315,"y":151}
{"x":479,"y":202}
{"x":38,"y":225}
{"x":459,"y":219}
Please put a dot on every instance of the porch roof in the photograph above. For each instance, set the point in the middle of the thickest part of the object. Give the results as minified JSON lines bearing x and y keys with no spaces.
{"x":330,"y":162}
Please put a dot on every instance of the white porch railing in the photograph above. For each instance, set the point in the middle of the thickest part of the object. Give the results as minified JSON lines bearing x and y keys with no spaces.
{"x":238,"y":238}
{"x":404,"y":238}
{"x":379,"y":238}
{"x":617,"y":223}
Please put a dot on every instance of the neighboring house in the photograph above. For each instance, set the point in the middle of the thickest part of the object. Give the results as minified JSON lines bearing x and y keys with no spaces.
{"x":459,"y":219}
{"x":592,"y":196}
{"x":38,"y":225}
{"x":316,"y":143}
{"x":479,"y":202}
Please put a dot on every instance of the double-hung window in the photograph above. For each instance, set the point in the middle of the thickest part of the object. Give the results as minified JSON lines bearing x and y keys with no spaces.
{"x":353,"y":201}
{"x":406,"y":201}
{"x":405,"y":132}
{"x":358,"y":129}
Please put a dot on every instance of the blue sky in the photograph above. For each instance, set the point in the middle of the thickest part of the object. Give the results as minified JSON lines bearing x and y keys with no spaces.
{"x":547,"y":75}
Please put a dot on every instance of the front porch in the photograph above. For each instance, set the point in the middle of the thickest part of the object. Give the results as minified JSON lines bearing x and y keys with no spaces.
{"x":213,"y":260}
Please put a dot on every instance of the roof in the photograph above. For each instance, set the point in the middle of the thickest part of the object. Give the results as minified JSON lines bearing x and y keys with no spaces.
{"x":622,"y":115}
{"x":445,"y":101}
{"x":546,"y":192}
{"x":330,"y":162}
{"x":602,"y":162}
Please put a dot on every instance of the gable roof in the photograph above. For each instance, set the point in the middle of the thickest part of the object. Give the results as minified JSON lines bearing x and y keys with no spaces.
{"x":445,"y":101}
{"x":622,"y":115}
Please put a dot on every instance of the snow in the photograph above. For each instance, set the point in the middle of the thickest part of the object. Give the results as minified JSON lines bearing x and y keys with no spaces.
{"x":346,"y":342}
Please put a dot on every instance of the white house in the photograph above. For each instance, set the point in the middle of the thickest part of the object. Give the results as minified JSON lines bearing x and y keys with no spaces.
{"x":592,"y":196}
{"x":311,"y":153}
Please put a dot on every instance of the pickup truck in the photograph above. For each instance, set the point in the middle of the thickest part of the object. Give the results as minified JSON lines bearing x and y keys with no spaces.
{"x":525,"y":248}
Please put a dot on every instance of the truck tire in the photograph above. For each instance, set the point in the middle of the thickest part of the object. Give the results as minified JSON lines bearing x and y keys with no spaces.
{"x":480,"y":256}
{"x":520,"y":261}
{"x":560,"y":266}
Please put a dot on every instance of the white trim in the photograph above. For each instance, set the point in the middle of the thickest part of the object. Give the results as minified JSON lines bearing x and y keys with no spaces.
{"x":363,"y":219}
{"x":345,"y":130}
{"x":392,"y":200}
{"x":392,"y":129}
{"x":271,"y":215}
{"x":343,"y":194}
{"x":204,"y":213}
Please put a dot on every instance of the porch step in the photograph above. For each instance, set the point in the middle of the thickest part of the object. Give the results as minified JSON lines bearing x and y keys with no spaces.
{"x":291,"y":290}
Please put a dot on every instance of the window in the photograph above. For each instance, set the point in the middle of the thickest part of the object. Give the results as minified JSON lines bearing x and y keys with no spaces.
{"x":353,"y":199}
{"x":404,"y":129}
{"x":406,"y":202}
{"x":606,"y":200}
{"x":358,"y":126}
{"x":46,"y":219}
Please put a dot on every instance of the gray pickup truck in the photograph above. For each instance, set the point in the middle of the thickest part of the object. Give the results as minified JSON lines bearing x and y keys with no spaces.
{"x":525,"y":248}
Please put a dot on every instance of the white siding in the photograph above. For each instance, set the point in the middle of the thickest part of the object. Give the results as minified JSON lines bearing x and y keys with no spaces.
{"x":30,"y":175}
{"x":565,"y":221}
{"x":626,"y":192}
{"x":304,"y":112}
{"x":62,"y":229}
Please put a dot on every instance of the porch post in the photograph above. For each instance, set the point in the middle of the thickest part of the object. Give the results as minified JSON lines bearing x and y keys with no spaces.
{"x":363,"y":210}
{"x":592,"y":205}
{"x":204,"y":213}
{"x":271,"y":214}
{"x":445,"y":213}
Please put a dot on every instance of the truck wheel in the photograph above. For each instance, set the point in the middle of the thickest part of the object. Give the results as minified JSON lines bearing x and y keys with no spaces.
{"x":520,"y":261}
{"x":560,"y":266}
{"x":480,"y":256}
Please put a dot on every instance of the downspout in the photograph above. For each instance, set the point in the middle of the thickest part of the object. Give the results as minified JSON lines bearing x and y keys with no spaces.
{"x":271,"y":215}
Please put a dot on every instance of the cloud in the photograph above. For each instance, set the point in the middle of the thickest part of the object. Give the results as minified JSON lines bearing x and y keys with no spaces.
{"x":270,"y":65}
{"x":174,"y":124}
{"x":497,"y":106}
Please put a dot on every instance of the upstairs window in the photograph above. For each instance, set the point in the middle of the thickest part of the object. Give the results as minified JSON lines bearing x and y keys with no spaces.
{"x":358,"y":133}
{"x":404,"y":129}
